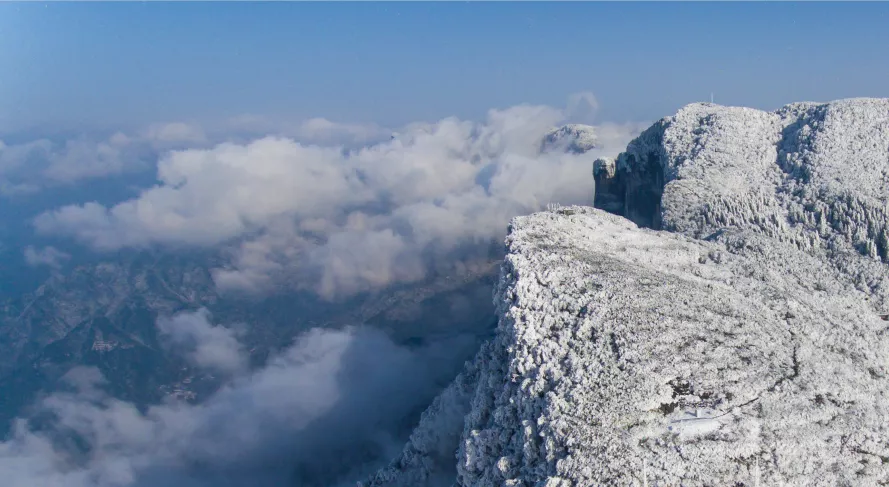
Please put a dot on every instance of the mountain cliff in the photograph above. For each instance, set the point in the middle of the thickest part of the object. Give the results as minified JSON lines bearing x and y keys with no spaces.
{"x":723,"y":326}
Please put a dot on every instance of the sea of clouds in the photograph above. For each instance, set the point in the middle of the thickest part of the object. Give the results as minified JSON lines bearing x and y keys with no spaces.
{"x":337,"y":209}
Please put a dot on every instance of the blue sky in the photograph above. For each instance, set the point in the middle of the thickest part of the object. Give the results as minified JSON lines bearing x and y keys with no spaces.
{"x":113,"y":64}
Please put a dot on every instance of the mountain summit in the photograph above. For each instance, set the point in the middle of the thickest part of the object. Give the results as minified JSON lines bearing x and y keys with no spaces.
{"x":718,"y":325}
{"x":574,"y":138}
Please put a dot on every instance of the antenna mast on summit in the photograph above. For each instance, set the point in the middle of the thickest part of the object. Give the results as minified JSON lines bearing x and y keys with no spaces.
{"x":711,"y":97}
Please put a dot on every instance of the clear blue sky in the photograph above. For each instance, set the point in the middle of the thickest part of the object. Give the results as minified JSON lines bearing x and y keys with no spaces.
{"x":102,"y":64}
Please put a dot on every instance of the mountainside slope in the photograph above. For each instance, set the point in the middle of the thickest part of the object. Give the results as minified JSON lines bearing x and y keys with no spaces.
{"x":742,"y":344}
{"x":620,"y":347}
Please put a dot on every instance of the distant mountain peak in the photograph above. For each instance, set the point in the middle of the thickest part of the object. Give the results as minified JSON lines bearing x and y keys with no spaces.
{"x":576,"y":138}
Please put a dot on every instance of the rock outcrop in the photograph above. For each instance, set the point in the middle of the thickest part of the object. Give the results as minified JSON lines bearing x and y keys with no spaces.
{"x":574,"y":138}
{"x":814,"y":174}
{"x":722,"y":327}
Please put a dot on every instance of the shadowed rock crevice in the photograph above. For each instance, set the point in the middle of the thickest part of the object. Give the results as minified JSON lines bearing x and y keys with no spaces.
{"x":632,"y":185}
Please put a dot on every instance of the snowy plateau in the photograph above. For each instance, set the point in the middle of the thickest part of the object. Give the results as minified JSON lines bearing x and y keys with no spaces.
{"x":719,"y":325}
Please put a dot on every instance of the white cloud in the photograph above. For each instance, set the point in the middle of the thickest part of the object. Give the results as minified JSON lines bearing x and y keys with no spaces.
{"x":332,"y":395}
{"x":208,"y":346}
{"x":346,"y":221}
{"x":48,"y":256}
{"x":209,"y":196}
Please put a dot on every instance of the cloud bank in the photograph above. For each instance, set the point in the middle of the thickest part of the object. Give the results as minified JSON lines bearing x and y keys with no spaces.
{"x":30,"y":166}
{"x":332,"y":395}
{"x":434,"y":197}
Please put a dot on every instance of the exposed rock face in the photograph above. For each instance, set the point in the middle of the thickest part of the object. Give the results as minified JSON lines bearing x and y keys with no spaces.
{"x":609,"y":194}
{"x":742,"y":345}
{"x":575,"y":138}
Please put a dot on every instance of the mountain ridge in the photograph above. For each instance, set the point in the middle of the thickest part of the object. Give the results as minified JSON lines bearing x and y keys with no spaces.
{"x":727,"y":331}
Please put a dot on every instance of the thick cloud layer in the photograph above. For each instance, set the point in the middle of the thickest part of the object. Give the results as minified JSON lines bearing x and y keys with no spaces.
{"x":332,"y":395}
{"x":344,"y":221}
{"x":29,"y":166}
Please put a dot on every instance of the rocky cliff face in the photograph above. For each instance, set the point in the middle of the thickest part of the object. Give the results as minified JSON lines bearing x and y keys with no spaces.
{"x":727,"y":331}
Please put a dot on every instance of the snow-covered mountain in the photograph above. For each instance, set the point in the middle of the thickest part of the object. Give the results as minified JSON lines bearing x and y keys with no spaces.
{"x":723,"y":327}
{"x":574,"y":138}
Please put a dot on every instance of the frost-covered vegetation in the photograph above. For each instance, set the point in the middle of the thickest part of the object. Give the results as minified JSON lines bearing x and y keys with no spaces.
{"x":737,"y":340}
